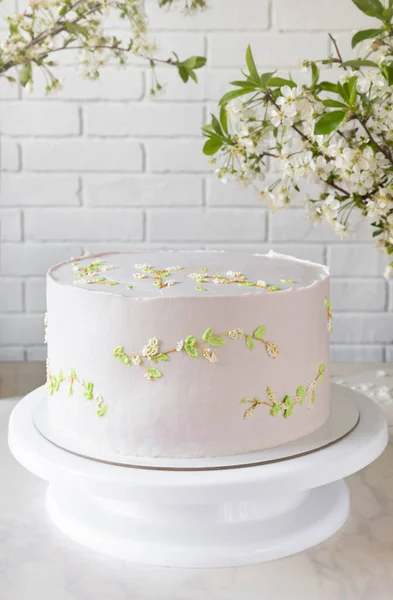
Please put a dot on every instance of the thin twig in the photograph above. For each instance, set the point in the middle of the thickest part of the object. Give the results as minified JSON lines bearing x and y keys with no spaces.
{"x":340,"y":58}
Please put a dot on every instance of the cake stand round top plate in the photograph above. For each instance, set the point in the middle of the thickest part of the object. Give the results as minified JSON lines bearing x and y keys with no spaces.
{"x":344,"y":417}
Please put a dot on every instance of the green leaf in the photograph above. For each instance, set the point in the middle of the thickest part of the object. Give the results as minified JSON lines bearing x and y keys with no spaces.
{"x":334,"y":104}
{"x":249,"y":342}
{"x":259,"y":332}
{"x":265,"y":78}
{"x":102,"y":410}
{"x":358,"y":63}
{"x":216,"y":125}
{"x":244,"y":84}
{"x":327,"y":303}
{"x":194,"y":62}
{"x":279,"y":82}
{"x":224,"y":119}
{"x":199,"y":288}
{"x":14,"y":29}
{"x":155,"y":373}
{"x":388,"y":14}
{"x":352,"y":83}
{"x":184,"y":73}
{"x":163,"y":357}
{"x":372,"y":8}
{"x":365,"y":34}
{"x":251,"y":65}
{"x":235,"y":94}
{"x":207,"y":334}
{"x":387,"y":72}
{"x":329,"y":122}
{"x":25,"y":74}
{"x":189,"y":346}
{"x":275,"y":409}
{"x":288,"y":411}
{"x":212,"y":145}
{"x":216,"y":341}
{"x":208,"y":129}
{"x":193,"y":76}
{"x":76,"y":29}
{"x":314,"y":74}
{"x":321,"y":369}
{"x":327,"y":86}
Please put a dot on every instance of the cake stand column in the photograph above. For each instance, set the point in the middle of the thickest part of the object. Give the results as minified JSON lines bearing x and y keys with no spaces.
{"x":201,"y":535}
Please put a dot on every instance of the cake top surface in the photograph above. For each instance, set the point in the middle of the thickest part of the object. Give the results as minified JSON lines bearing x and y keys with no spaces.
{"x":187,"y":273}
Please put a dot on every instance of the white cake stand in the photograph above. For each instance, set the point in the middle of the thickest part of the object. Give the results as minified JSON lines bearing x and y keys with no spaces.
{"x":201,"y":518}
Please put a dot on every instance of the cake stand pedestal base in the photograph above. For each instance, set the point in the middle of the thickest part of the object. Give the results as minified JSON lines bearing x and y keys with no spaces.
{"x":200,"y":518}
{"x":213,"y":535}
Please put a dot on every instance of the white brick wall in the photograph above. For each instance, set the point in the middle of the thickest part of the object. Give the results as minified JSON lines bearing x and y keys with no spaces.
{"x":101,"y":165}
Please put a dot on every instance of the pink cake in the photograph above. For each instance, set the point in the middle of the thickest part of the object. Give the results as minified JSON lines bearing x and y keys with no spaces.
{"x":187,"y":354}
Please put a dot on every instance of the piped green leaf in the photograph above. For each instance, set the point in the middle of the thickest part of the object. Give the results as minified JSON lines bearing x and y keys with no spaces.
{"x":154,"y":373}
{"x":216,"y":341}
{"x":102,"y":410}
{"x":259,"y":332}
{"x":301,"y":394}
{"x":88,"y":393}
{"x":189,"y":346}
{"x":249,"y":342}
{"x":207,"y":334}
{"x":163,"y":357}
{"x":275,"y":409}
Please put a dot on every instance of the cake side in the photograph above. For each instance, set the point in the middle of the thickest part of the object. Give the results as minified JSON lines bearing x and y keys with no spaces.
{"x":186,"y":375}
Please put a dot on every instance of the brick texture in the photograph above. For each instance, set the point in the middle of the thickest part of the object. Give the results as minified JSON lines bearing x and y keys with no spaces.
{"x":101,"y":164}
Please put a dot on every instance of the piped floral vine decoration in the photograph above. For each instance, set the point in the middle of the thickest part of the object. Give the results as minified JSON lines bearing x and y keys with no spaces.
{"x":92,"y":274}
{"x":328,"y":307}
{"x":193,"y":347}
{"x":234,"y":277}
{"x":159,"y":276}
{"x":54,"y":382}
{"x":286,"y":405}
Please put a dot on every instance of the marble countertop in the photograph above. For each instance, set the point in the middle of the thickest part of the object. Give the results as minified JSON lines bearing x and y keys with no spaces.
{"x":38,"y":563}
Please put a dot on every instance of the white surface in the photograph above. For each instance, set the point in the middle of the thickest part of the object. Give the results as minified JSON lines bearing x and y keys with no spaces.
{"x":72,"y":209}
{"x":344,"y":416}
{"x":200,"y":518}
{"x":39,"y":563}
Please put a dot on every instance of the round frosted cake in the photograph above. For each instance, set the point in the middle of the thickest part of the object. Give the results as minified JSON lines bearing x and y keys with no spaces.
{"x":187,"y":354}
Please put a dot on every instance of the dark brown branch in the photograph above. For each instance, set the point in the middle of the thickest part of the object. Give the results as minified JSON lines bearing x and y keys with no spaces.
{"x":340,"y":58}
